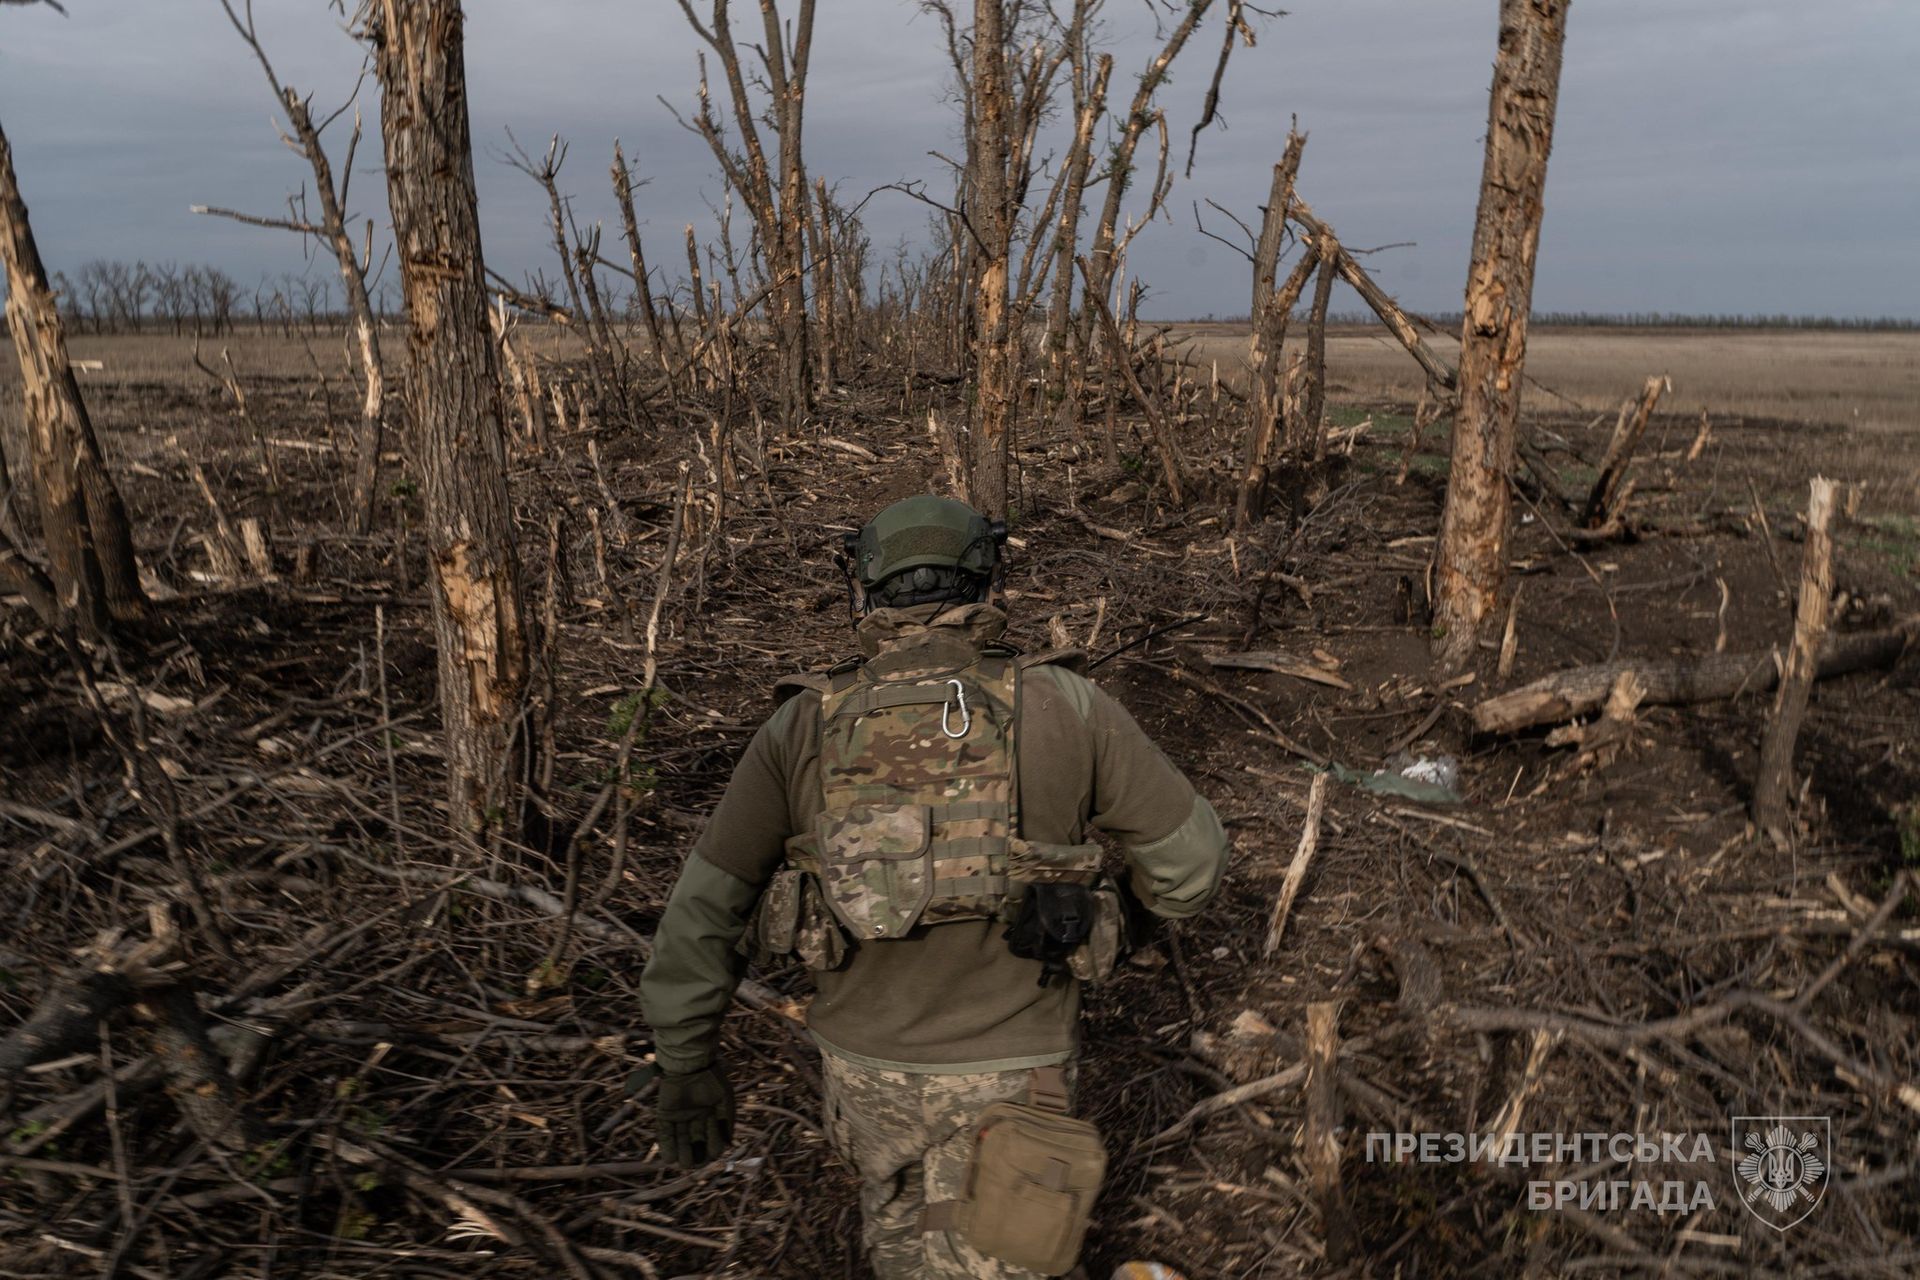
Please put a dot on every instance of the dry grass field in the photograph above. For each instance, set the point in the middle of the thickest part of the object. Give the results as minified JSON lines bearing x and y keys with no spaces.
{"x":1863,"y":379}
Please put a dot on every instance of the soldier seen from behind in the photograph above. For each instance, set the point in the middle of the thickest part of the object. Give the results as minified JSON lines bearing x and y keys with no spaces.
{"x":917,"y":828}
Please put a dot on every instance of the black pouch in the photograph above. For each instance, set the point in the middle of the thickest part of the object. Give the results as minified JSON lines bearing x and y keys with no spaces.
{"x":1052,"y":921}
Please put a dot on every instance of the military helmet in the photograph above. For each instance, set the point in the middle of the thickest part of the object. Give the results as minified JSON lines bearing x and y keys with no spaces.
{"x":949,"y":539}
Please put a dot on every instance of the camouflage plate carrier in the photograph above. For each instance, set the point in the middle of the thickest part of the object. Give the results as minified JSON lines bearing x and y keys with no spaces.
{"x":921,"y":817}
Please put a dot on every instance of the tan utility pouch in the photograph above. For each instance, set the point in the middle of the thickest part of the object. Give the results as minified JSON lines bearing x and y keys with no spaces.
{"x":793,"y":920}
{"x":1030,"y":1189}
{"x":1095,"y":959}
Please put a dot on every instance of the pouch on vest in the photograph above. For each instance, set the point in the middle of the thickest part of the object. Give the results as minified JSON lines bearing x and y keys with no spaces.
{"x":1030,"y":1189}
{"x":1097,"y":957}
{"x":792,"y":919}
{"x":875,"y":861}
{"x":1053,"y":921}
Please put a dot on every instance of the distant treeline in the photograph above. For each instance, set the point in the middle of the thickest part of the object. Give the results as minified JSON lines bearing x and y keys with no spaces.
{"x":1450,"y":321}
{"x":181,"y":298}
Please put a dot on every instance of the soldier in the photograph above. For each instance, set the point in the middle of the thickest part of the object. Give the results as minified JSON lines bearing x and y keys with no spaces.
{"x":916,"y":827}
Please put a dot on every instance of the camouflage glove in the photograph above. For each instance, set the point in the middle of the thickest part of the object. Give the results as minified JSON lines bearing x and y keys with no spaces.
{"x":695,"y":1116}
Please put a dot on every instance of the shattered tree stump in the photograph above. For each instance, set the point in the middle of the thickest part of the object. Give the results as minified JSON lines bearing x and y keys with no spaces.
{"x":1322,"y":1138}
{"x":1774,"y":782}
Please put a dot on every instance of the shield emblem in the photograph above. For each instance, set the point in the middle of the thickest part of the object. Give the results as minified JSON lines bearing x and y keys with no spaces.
{"x":1780,"y":1166}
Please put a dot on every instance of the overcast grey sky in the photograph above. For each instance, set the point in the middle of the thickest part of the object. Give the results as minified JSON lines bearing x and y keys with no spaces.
{"x":1712,"y":155}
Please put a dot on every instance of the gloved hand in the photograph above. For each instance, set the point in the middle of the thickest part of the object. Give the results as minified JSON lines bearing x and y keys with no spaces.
{"x":695,"y":1116}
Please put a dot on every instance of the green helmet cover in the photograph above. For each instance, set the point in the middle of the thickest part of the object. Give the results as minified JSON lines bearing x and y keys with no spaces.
{"x":925,"y":531}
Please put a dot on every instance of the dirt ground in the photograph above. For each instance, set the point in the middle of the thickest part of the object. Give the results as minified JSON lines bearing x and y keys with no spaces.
{"x":1578,"y":947}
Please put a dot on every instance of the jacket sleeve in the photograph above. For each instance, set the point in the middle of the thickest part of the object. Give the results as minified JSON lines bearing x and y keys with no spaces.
{"x":690,"y":980}
{"x":1176,"y":849}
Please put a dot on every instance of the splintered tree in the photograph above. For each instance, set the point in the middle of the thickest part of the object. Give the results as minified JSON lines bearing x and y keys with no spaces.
{"x":332,"y":231}
{"x":1472,"y":555}
{"x":990,"y":215}
{"x":89,"y":543}
{"x":453,"y":383}
{"x":775,"y":200}
{"x":1108,"y":245}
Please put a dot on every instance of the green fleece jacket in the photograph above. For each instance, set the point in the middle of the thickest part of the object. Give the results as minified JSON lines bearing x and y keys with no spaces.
{"x":948,"y":997}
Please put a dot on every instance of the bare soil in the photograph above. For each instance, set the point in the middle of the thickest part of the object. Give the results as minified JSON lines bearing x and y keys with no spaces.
{"x":1607,"y":896}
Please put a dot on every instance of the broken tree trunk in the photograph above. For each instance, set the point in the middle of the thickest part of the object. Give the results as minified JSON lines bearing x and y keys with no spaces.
{"x":1632,"y":424}
{"x":1682,"y":680}
{"x":88,"y":539}
{"x":1271,"y":311}
{"x":479,"y":618}
{"x":1378,"y":300}
{"x":1312,"y":441}
{"x":1121,"y":352}
{"x":1773,"y":785}
{"x":642,"y":281}
{"x":1322,"y":1136}
{"x":1471,"y":559}
{"x":1091,"y":109}
{"x":353,"y":266}
{"x":990,"y":216}
{"x":1104,"y":248}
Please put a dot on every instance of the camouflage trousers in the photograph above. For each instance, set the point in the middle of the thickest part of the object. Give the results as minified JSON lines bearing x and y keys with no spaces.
{"x":910,"y":1137}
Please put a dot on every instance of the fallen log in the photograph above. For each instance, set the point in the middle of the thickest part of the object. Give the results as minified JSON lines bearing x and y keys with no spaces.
{"x":1680,"y":680}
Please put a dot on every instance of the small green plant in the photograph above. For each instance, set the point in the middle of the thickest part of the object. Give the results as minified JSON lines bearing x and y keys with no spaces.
{"x":355,"y":1223}
{"x":368,"y":1122}
{"x":620,"y":715}
{"x":269,"y":1160}
{"x":1895,"y":539}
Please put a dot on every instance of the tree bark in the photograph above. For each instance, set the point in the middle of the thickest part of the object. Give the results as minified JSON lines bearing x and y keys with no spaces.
{"x":1773,"y":784}
{"x":990,"y":215}
{"x":89,"y":541}
{"x":1472,"y":555}
{"x":454,"y":382}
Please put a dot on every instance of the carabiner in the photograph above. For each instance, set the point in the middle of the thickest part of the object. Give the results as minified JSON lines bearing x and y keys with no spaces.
{"x":946,"y":712}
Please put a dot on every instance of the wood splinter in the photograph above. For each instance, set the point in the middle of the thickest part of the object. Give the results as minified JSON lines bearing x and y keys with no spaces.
{"x":1297,"y":869}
